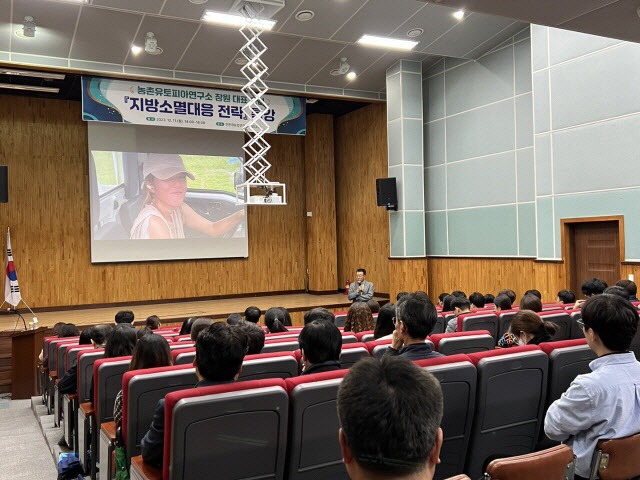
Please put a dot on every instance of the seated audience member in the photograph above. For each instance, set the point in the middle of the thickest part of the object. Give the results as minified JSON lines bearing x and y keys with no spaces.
{"x":254,"y":336}
{"x":60,"y":330}
{"x":459,"y":293}
{"x":488,"y":298}
{"x":477,"y":300}
{"x":153,"y":322}
{"x":185,"y":329}
{"x":502,"y":302}
{"x":460,"y":305}
{"x":441,"y":298}
{"x":531,"y":302}
{"x":151,"y":351}
{"x":219,"y":353}
{"x":319,"y":313}
{"x":67,"y":383}
{"x":384,"y":325}
{"x":98,"y":338}
{"x":534,"y":292}
{"x":527,"y":328}
{"x":401,"y":437}
{"x":287,"y":317}
{"x":320,"y":346}
{"x":565,"y":296}
{"x":234,"y":319}
{"x":415,"y":319}
{"x":591,"y":287}
{"x":616,"y":290}
{"x":422,"y":294}
{"x":400,"y":295}
{"x":199,"y":325}
{"x":446,"y":303}
{"x":374,"y":306}
{"x":124,"y":316}
{"x":509,"y":293}
{"x":606,"y":402}
{"x":359,"y":318}
{"x":121,"y":342}
{"x":142,"y":332}
{"x":630,"y":287}
{"x":252,"y":314}
{"x":274,"y":320}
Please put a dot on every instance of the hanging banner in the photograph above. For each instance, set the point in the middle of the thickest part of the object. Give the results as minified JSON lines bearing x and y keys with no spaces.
{"x":142,"y":103}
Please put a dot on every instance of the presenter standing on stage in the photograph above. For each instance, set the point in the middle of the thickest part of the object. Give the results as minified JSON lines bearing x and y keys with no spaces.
{"x":361,"y":290}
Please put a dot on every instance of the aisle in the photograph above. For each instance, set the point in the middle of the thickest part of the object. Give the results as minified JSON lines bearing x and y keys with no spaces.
{"x":23,"y":450}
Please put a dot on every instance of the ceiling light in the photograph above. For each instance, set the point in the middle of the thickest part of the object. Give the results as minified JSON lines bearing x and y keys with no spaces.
{"x":198,"y":2}
{"x":29,"y":73}
{"x":343,"y":69}
{"x":234,"y":20}
{"x":386,"y":42}
{"x":459,"y":15}
{"x":28,"y":29}
{"x":151,"y":45}
{"x":415,"y":32}
{"x":11,"y":86}
{"x":76,"y":1}
{"x":351,"y":76}
{"x":135,"y":49}
{"x":312,"y":100}
{"x":240,"y":61}
{"x":305,"y":15}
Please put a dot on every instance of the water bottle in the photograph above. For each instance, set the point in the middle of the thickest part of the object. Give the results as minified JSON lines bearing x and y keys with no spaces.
{"x":35,"y":323}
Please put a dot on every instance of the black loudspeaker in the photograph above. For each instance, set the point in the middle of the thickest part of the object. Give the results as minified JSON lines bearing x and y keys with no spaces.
{"x":386,"y":193}
{"x":4,"y":184}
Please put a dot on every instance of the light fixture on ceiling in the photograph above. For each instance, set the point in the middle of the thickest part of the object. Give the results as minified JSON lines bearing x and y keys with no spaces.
{"x":76,"y":1}
{"x":240,"y":61}
{"x":415,"y":32}
{"x":30,"y":73}
{"x":135,"y":49}
{"x":343,"y":69}
{"x":351,"y":76}
{"x":198,"y":2}
{"x":28,"y":29}
{"x":387,"y":42}
{"x":305,"y":15}
{"x":151,"y":45}
{"x":30,"y":88}
{"x":458,"y":15}
{"x":312,"y":100}
{"x":234,"y":20}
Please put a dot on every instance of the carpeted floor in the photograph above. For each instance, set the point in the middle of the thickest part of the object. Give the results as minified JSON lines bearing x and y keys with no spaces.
{"x":24,"y":453}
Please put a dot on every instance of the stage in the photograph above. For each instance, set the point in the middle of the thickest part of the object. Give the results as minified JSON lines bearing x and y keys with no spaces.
{"x":296,"y":303}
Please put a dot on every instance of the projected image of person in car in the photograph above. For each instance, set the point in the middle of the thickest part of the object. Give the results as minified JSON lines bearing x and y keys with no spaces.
{"x":164,"y":212}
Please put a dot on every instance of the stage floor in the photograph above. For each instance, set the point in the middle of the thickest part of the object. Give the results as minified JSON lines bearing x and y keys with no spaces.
{"x":297,"y":304}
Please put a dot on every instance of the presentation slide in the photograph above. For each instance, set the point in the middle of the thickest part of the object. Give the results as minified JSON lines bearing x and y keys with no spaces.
{"x":158,"y":205}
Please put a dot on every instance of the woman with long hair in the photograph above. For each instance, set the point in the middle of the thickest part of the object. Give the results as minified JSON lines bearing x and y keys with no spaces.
{"x":359,"y":318}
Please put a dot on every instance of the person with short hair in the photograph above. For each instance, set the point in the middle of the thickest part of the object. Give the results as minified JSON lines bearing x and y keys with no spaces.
{"x":254,"y":336}
{"x":509,"y":293}
{"x":446,"y":303}
{"x":252,"y":314}
{"x":234,"y":319}
{"x":274,"y":320}
{"x":185,"y":329}
{"x":604,"y":403}
{"x":399,"y":295}
{"x":477,"y":300}
{"x":319,"y":313}
{"x":488,"y":298}
{"x":531,"y":302}
{"x":401,"y":437}
{"x":459,"y":293}
{"x":384,"y":324}
{"x":502,"y":302}
{"x":361,"y":290}
{"x":441,"y":298}
{"x":68,"y":330}
{"x":121,"y":342}
{"x":68,"y":382}
{"x":373,"y":305}
{"x":320,"y":347}
{"x":534,"y":292}
{"x":153,"y":322}
{"x":287,"y":317}
{"x":220,"y":349}
{"x":359,"y":318}
{"x":593,"y":286}
{"x":459,"y":305}
{"x":199,"y":325}
{"x":124,"y":316}
{"x":630,"y":287}
{"x":415,"y":319}
{"x":565,"y":296}
{"x":616,"y":290}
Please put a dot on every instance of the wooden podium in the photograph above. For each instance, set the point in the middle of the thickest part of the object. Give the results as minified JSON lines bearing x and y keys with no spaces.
{"x":25,"y":348}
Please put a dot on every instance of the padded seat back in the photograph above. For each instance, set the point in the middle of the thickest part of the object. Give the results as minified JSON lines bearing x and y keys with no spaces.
{"x":314,"y":451}
{"x":482,"y":321}
{"x":107,"y":382}
{"x":504,"y":321}
{"x":71,"y":356}
{"x":61,"y":363}
{"x":378,"y":350}
{"x":183,"y":356}
{"x":440,"y":325}
{"x":141,"y":390}
{"x":53,"y":350}
{"x":635,"y":344}
{"x":368,"y":337}
{"x":282,"y":366}
{"x":576,"y":330}
{"x":340,"y":319}
{"x":374,"y":343}
{"x":285,"y":346}
{"x":359,"y":335}
{"x":86,"y":359}
{"x":180,"y":345}
{"x":349,"y":337}
{"x":457,"y":377}
{"x":556,"y":463}
{"x":463,"y":342}
{"x":274,"y":336}
{"x":235,"y":430}
{"x":560,"y":318}
{"x":617,"y":459}
{"x":510,"y":396}
{"x":351,"y":354}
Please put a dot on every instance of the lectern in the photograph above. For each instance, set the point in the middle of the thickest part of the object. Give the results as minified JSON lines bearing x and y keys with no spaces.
{"x":25,"y":348}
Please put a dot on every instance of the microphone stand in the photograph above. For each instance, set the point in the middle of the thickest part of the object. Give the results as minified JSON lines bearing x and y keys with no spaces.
{"x":19,"y":317}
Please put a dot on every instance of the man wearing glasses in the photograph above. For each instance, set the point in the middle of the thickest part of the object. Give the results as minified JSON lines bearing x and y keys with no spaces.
{"x":415,"y":318}
{"x":603,"y":404}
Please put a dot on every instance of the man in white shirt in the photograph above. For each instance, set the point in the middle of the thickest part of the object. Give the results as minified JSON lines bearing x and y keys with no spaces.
{"x":605,"y":403}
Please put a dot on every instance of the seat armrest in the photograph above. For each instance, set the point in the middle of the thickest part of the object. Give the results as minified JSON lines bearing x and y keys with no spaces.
{"x":109,"y":428}
{"x":87,"y":408}
{"x":72,"y":396}
{"x":144,"y":471}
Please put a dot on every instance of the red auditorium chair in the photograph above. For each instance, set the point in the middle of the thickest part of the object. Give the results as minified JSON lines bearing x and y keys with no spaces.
{"x":374,"y":343}
{"x":378,"y":350}
{"x":617,"y":459}
{"x":351,"y":353}
{"x":560,"y":318}
{"x":340,"y":318}
{"x":575,"y":315}
{"x":510,"y":395}
{"x":183,"y":356}
{"x":457,"y":377}
{"x":280,"y":335}
{"x":52,"y":366}
{"x":313,"y":450}
{"x":556,"y":463}
{"x":234,"y":430}
{"x":440,"y":325}
{"x":364,"y":333}
{"x":479,"y":321}
{"x":504,"y":321}
{"x":286,"y":345}
{"x":61,"y":350}
{"x":70,"y":401}
{"x":85,"y":419}
{"x":349,"y":337}
{"x":269,"y":365}
{"x":463,"y":342}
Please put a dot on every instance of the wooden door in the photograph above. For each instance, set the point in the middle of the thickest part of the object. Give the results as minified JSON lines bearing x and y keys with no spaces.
{"x":595,"y":252}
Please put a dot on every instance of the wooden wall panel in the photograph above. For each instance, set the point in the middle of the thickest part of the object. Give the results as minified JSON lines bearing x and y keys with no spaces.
{"x":320,"y":191}
{"x":44,"y":143}
{"x":362,"y":227}
{"x":408,"y":275}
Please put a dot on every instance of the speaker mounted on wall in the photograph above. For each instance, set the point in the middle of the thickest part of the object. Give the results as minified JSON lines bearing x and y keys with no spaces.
{"x":4,"y":184}
{"x":386,"y":193}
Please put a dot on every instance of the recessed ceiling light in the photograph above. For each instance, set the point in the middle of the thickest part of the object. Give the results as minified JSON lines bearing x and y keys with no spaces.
{"x":198,"y":2}
{"x":304,"y":15}
{"x":387,"y":42}
{"x":351,"y":76}
{"x":312,"y":100}
{"x":30,"y":88}
{"x":29,"y":73}
{"x":415,"y":32}
{"x":135,"y":49}
{"x":459,"y":15}
{"x":234,"y":20}
{"x":240,"y":61}
{"x":28,"y":29}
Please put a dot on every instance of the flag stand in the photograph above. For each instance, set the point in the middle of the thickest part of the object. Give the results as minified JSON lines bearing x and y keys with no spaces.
{"x":12,"y":294}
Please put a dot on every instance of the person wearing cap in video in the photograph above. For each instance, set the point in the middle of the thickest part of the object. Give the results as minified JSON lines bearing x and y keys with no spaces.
{"x":164,"y":212}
